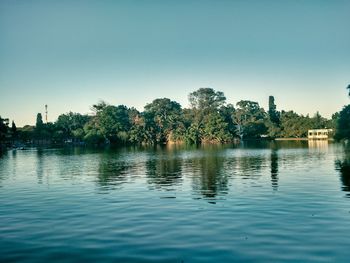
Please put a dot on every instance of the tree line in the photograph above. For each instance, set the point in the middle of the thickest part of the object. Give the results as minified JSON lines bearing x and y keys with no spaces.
{"x":209,"y":119}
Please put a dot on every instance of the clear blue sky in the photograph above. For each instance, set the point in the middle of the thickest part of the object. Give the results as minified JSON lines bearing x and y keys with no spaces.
{"x":70,"y":54}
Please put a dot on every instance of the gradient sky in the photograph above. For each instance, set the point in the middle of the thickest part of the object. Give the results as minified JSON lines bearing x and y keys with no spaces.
{"x":70,"y":54}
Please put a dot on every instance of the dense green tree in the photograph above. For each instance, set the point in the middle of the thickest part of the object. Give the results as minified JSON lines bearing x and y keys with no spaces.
{"x":274,"y":121}
{"x":343,"y":124}
{"x":26,"y":133}
{"x":249,"y":111}
{"x":209,"y":119}
{"x":92,"y":133}
{"x":215,"y":129}
{"x":294,"y":125}
{"x":332,"y":123}
{"x":194,"y":134}
{"x":227,"y":112}
{"x":99,"y":106}
{"x":39,"y":132}
{"x":137,"y":133}
{"x":274,"y":115}
{"x":252,"y":118}
{"x":39,"y":124}
{"x":206,"y":100}
{"x":3,"y":129}
{"x":70,"y":125}
{"x":163,"y":116}
{"x":14,"y":132}
{"x":113,"y":123}
{"x":318,"y":122}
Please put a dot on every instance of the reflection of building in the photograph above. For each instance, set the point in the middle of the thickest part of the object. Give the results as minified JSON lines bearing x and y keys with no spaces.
{"x":320,"y":134}
{"x":320,"y":144}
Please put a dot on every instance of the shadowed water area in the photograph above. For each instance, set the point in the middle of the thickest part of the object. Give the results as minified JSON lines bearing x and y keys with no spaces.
{"x":261,"y":202}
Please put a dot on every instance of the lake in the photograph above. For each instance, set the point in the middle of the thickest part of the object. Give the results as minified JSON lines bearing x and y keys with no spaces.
{"x":253,"y":202}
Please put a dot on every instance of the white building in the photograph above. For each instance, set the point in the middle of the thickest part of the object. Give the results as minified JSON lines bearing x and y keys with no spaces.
{"x":320,"y":134}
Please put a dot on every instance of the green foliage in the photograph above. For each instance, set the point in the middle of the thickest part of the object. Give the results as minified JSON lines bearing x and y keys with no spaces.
{"x":216,"y":130}
{"x":343,"y":124}
{"x":3,"y":129}
{"x":293,"y":125}
{"x":207,"y":99}
{"x":342,"y":121}
{"x":255,"y":130}
{"x":228,"y":112}
{"x":70,"y":125}
{"x":273,"y":131}
{"x":208,"y":120}
{"x":39,"y":127}
{"x":39,"y":121}
{"x":14,"y":132}
{"x":99,"y":106}
{"x":274,"y":122}
{"x":162,"y":117}
{"x":251,"y":118}
{"x":318,"y":122}
{"x":112,"y":121}
{"x":194,"y":134}
{"x":26,"y":133}
{"x":93,"y":134}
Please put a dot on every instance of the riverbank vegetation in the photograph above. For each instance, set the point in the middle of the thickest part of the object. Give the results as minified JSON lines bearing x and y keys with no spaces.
{"x":209,"y":119}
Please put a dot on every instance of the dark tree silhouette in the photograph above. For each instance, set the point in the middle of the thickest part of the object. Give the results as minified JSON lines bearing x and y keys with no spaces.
{"x":14,"y":131}
{"x":343,"y":124}
{"x":3,"y":129}
{"x":273,"y":113}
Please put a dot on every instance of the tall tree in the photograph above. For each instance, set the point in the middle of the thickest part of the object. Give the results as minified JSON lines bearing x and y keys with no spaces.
{"x":206,"y":100}
{"x":99,"y":106}
{"x":318,"y":122}
{"x":343,"y":124}
{"x":251,"y":118}
{"x":210,"y":120}
{"x":14,"y":132}
{"x":39,"y":126}
{"x":273,"y":113}
{"x":71,"y":125}
{"x":114,"y":123}
{"x":3,"y":129}
{"x":294,"y":125}
{"x":166,"y":115}
{"x":39,"y":121}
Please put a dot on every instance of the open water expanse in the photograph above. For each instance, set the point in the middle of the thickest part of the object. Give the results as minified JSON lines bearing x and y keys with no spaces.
{"x":254,"y":202}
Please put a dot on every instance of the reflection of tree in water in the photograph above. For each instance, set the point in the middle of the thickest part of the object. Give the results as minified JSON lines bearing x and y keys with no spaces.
{"x":274,"y":169}
{"x":343,"y":166}
{"x":3,"y":168}
{"x":112,"y":171}
{"x":274,"y":165}
{"x":164,"y":171}
{"x":208,"y":178}
{"x":249,"y":166}
{"x":40,"y":165}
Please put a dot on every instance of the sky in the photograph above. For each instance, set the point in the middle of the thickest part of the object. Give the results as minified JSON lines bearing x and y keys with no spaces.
{"x":71,"y":54}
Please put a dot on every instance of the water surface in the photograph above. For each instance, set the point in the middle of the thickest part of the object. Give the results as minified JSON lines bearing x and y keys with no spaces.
{"x":255,"y":202}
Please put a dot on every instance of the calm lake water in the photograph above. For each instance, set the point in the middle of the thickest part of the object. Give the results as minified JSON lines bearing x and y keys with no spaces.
{"x":266,"y":202}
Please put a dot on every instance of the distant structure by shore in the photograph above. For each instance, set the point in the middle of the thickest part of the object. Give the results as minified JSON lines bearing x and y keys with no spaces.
{"x":320,"y":134}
